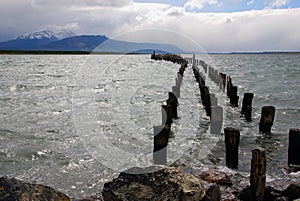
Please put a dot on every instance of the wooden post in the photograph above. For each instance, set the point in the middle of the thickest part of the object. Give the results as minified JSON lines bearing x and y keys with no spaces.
{"x":179,"y":80}
{"x":213,"y":100}
{"x":234,"y":98}
{"x":216,"y":120}
{"x":166,"y":115}
{"x":232,"y":141}
{"x":176,"y":91}
{"x":247,"y":106}
{"x":161,"y":138}
{"x":194,"y":64}
{"x":258,"y":174}
{"x":294,"y":147}
{"x":223,"y":77}
{"x":205,"y":97}
{"x":173,"y":102}
{"x":266,"y":119}
{"x":153,"y":55}
{"x":229,"y":85}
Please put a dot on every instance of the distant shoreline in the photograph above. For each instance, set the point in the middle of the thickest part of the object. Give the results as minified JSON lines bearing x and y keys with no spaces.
{"x":50,"y":52}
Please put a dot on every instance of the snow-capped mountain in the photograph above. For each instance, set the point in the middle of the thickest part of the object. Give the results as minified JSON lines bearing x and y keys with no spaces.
{"x":65,"y":40}
{"x":63,"y":33}
{"x":46,"y":34}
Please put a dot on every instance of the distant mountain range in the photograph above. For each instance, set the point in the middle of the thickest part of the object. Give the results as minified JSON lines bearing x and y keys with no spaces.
{"x":66,"y":40}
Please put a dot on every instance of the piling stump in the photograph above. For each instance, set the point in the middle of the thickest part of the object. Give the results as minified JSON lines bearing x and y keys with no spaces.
{"x":173,"y":102}
{"x":176,"y":91}
{"x":213,"y":100}
{"x":166,"y":115}
{"x":161,"y":138}
{"x":216,"y":120}
{"x":205,"y":97}
{"x":258,"y":174}
{"x":234,"y":98}
{"x":247,"y":106}
{"x":294,"y":147}
{"x":266,"y":119}
{"x":232,"y":141}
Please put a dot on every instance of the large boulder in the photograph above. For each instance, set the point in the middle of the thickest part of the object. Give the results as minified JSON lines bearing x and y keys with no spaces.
{"x":13,"y":189}
{"x":154,"y":183}
{"x":218,"y":177}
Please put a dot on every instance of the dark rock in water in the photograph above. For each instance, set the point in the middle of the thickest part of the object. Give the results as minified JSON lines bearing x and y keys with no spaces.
{"x":292,"y":191}
{"x":153,"y":183}
{"x":245,"y":194}
{"x":212,"y":192}
{"x":218,"y":177}
{"x":13,"y":189}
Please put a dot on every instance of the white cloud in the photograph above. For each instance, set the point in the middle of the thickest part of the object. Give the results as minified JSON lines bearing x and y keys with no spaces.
{"x":199,"y":4}
{"x":278,"y":3}
{"x":269,"y":29}
{"x":75,"y":3}
{"x":250,"y":2}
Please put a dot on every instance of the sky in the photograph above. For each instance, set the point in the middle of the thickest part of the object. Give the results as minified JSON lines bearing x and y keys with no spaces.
{"x":215,"y":25}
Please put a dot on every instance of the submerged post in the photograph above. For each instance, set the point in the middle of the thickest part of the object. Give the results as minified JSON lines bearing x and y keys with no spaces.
{"x":258,"y":174}
{"x":232,"y":141}
{"x":161,"y":138}
{"x":266,"y":119}
{"x":294,"y":147}
{"x":247,"y":106}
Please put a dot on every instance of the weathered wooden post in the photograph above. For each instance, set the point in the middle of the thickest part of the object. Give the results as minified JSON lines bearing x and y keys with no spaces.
{"x":216,"y":120}
{"x":176,"y":91}
{"x":294,"y":147}
{"x":173,"y":102}
{"x":179,"y":79}
{"x":247,"y":106}
{"x":161,"y":139}
{"x":223,"y":77}
{"x":234,"y":98}
{"x":166,"y":115}
{"x":229,"y":85}
{"x":213,"y":100}
{"x":205,"y":97}
{"x":153,"y":55}
{"x":266,"y":119}
{"x":232,"y":141}
{"x":258,"y":174}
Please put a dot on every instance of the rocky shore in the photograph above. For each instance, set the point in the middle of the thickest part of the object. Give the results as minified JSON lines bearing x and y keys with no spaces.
{"x":158,"y":183}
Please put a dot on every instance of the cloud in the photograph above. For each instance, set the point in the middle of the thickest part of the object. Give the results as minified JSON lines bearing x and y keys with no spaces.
{"x":269,"y":29}
{"x":250,"y":2}
{"x":278,"y":3}
{"x":199,"y":4}
{"x":240,"y":31}
{"x":76,"y":3}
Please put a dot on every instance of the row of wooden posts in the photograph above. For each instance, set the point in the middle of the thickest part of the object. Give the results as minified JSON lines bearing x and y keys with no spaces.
{"x":169,"y":111}
{"x":232,"y":135}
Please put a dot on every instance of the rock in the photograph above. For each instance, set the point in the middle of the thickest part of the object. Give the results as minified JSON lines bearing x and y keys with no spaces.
{"x":229,"y":197}
{"x":212,"y":192}
{"x":292,"y":191}
{"x":13,"y":189}
{"x":153,"y":183}
{"x":218,"y":177}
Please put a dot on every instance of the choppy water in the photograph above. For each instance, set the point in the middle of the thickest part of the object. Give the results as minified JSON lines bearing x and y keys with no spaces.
{"x":64,"y":119}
